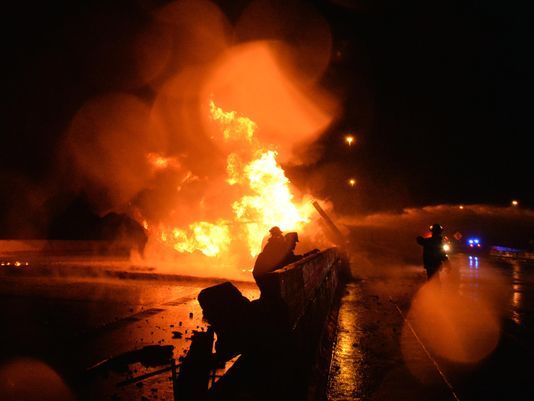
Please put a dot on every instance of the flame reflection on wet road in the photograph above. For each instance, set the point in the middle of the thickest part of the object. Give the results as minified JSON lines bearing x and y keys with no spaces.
{"x":347,"y":361}
{"x":75,"y":322}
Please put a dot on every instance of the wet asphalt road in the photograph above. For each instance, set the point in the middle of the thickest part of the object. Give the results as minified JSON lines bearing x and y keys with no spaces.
{"x":470,"y":337}
{"x":74,"y":327}
{"x":389,"y":345}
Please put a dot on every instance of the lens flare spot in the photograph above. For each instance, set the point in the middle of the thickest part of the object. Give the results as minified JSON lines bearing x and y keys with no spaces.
{"x":457,"y":327}
{"x":32,"y":380}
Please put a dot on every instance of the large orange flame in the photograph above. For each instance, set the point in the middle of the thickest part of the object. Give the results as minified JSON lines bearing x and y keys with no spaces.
{"x":266,"y":201}
{"x":271,"y":202}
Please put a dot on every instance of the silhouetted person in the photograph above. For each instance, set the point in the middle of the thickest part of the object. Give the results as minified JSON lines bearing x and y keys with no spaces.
{"x":271,"y":257}
{"x":291,"y":243}
{"x":433,"y":253}
{"x":278,"y":252}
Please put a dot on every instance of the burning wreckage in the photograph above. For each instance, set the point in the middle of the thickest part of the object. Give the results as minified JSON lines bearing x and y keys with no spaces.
{"x":275,"y":347}
{"x":228,"y":189}
{"x":282,"y":341}
{"x":279,"y":344}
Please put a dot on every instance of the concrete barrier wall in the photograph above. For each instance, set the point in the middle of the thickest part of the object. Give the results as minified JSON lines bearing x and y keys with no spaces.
{"x":291,"y":362}
{"x":298,"y":284}
{"x":293,"y":328}
{"x":310,"y":289}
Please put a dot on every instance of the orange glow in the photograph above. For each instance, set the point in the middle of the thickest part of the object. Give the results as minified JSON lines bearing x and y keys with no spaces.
{"x":249,"y":78}
{"x":266,"y":201}
{"x":234,"y":126}
{"x":456,"y":327}
{"x":107,"y":145}
{"x":16,"y":263}
{"x":199,"y":163}
{"x":352,"y":182}
{"x":210,"y":239}
{"x":44,"y":383}
{"x":302,"y":36}
{"x":159,"y":162}
{"x":349,"y":139}
{"x":198,"y":30}
{"x":515,"y":203}
{"x":271,"y":202}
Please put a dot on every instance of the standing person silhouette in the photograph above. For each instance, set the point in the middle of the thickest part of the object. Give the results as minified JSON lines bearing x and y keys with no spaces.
{"x":433,"y":253}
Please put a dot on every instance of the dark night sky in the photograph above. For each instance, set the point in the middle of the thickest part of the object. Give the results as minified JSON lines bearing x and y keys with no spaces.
{"x":437,"y":95}
{"x":449,"y":89}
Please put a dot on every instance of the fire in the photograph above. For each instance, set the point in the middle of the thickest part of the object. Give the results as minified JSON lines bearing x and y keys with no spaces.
{"x":159,"y":162}
{"x":210,"y":239}
{"x":272,"y":202}
{"x":234,"y":126}
{"x":265,"y":198}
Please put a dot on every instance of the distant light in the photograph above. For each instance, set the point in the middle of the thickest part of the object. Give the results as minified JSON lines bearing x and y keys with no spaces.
{"x":352,"y":182}
{"x":473,"y":242}
{"x":461,"y":206}
{"x":446,"y":247}
{"x":349,"y":139}
{"x":515,"y":203}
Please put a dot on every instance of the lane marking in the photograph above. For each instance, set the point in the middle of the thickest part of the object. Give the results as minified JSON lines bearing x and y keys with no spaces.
{"x":429,"y":356}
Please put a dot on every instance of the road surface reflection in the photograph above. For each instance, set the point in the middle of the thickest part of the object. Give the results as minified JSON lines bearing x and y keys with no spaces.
{"x":475,"y":325}
{"x":79,"y":322}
